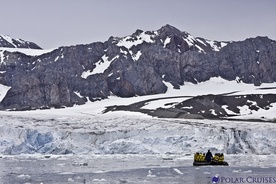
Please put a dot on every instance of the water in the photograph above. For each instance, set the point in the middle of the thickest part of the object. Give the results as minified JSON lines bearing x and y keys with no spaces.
{"x":119,"y":169}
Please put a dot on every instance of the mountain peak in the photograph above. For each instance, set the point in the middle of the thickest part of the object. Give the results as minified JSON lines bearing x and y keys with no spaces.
{"x":168,"y":37}
{"x":168,"y":29}
{"x":9,"y":42}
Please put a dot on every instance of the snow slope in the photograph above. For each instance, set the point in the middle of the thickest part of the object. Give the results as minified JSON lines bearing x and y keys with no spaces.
{"x":3,"y":91}
{"x":29,"y":52}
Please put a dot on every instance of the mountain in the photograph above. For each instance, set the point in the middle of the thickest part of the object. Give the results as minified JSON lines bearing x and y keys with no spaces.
{"x":9,"y":42}
{"x":167,"y":37}
{"x":135,"y":65}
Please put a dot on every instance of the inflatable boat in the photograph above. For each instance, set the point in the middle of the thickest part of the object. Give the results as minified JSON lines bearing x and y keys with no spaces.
{"x":205,"y":163}
{"x":200,"y":160}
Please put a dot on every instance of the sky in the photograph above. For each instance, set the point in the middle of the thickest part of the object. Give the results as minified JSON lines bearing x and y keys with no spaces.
{"x":55,"y":23}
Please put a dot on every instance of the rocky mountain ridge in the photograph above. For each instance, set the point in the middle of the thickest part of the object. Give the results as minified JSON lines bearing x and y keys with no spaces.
{"x":9,"y":42}
{"x":133,"y":65}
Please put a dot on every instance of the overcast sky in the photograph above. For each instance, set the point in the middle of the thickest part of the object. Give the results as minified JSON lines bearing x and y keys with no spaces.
{"x":54,"y":23}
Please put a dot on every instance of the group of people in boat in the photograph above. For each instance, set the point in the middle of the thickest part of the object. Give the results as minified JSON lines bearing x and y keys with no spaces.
{"x":201,"y":159}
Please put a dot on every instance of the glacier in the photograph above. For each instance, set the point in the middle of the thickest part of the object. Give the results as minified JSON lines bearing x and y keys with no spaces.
{"x":112,"y":134}
{"x":86,"y":130}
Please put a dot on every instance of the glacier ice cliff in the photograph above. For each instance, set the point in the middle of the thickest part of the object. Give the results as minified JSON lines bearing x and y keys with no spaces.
{"x":111,"y":135}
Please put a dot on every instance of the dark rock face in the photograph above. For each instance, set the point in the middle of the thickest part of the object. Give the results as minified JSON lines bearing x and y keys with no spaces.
{"x":49,"y":80}
{"x":198,"y":67}
{"x":249,"y":61}
{"x":129,"y":66}
{"x":6,"y":41}
{"x":252,"y":60}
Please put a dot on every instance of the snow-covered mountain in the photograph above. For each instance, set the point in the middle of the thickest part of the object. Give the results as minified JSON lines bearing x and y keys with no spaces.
{"x":136,"y":65}
{"x":11,"y":45}
{"x":167,"y":37}
{"x":9,"y":42}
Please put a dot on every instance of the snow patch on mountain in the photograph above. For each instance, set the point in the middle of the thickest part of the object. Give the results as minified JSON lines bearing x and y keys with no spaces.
{"x":247,"y":113}
{"x":29,"y":52}
{"x":101,"y":66}
{"x":167,"y":40}
{"x":136,"y":56}
{"x":130,"y":41}
{"x":189,"y":40}
{"x":1,"y":56}
{"x":8,"y":39}
{"x":3,"y":91}
{"x":215,"y":46}
{"x":60,"y":56}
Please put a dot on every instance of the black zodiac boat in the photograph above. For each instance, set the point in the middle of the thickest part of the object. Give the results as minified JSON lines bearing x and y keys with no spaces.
{"x":218,"y":159}
{"x":205,"y":163}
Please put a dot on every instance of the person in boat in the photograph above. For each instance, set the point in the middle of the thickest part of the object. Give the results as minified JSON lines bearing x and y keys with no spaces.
{"x":208,"y":156}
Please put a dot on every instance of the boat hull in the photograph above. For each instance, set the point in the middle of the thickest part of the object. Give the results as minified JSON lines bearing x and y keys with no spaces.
{"x":210,"y":163}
